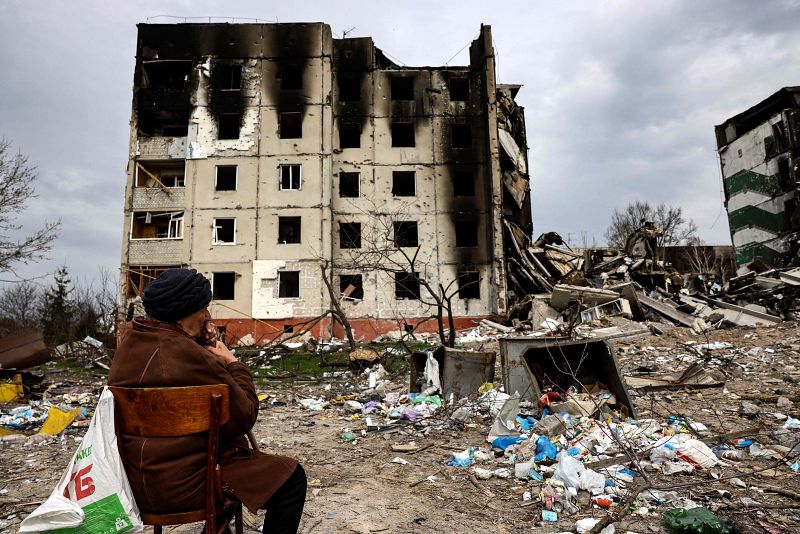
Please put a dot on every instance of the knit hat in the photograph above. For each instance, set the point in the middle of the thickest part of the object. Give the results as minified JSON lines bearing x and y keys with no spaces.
{"x":175,"y":294}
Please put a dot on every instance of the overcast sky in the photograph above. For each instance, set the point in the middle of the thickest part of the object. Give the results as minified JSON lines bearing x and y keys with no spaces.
{"x":621,"y":97}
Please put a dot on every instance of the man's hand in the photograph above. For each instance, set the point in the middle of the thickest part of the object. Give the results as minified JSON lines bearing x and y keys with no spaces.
{"x":222,"y":353}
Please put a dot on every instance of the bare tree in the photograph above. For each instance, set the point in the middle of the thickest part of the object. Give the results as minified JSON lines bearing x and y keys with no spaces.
{"x":17,"y":179}
{"x":336,"y":310}
{"x":20,"y":306}
{"x":676,"y":229}
{"x":387,"y":246}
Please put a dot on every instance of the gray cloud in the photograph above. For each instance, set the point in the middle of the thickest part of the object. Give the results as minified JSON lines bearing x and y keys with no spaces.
{"x":621,"y":97}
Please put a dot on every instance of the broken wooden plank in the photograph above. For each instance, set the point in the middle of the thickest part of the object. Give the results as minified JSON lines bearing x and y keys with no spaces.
{"x":667,"y":311}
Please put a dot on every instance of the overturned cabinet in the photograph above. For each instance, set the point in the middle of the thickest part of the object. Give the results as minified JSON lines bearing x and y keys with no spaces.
{"x":461,"y":372}
{"x":531,"y":366}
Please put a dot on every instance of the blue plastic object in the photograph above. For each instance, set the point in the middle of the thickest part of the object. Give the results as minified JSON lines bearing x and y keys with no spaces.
{"x":545,"y":450}
{"x":549,"y":516}
{"x":574,"y":451}
{"x":505,"y":442}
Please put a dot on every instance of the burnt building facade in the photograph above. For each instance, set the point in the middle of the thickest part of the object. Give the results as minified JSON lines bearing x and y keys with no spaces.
{"x":261,"y":153}
{"x":759,"y":152}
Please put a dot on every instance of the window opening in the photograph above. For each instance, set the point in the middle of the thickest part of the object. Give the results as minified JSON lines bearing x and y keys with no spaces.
{"x":469,"y":285}
{"x":224,"y":231}
{"x":149,"y":225}
{"x":404,"y":183}
{"x":463,"y":184}
{"x":291,"y":125}
{"x":288,"y":230}
{"x":230,"y":77}
{"x":223,"y":285}
{"x":160,"y":174}
{"x":291,"y":76}
{"x":403,"y":134}
{"x":349,"y":135}
{"x":228,"y":125}
{"x":459,"y":89}
{"x":140,"y":277}
{"x":351,"y":286}
{"x":406,"y":286}
{"x":462,"y":136}
{"x":288,"y":284}
{"x":290,"y":177}
{"x":350,"y":235}
{"x":406,"y":234}
{"x":402,"y":88}
{"x":349,"y":88}
{"x":349,"y":184}
{"x":226,"y":178}
{"x":466,"y":234}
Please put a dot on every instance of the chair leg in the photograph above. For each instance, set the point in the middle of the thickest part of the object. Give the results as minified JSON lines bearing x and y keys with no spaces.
{"x":157,"y":529}
{"x":238,"y":516}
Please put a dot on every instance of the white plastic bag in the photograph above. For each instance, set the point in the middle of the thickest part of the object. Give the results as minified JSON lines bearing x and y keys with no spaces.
{"x":93,"y":496}
{"x":574,"y":474}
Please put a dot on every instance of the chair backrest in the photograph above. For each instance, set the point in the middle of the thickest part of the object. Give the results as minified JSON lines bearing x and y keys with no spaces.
{"x":168,"y":412}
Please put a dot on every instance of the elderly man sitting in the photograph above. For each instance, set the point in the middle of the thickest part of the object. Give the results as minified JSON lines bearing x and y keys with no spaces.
{"x":178,"y":347}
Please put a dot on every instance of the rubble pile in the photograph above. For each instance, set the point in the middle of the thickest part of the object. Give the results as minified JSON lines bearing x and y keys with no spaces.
{"x":557,"y":288}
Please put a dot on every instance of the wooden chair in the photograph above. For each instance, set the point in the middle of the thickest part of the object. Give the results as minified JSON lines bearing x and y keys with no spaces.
{"x":173,"y":412}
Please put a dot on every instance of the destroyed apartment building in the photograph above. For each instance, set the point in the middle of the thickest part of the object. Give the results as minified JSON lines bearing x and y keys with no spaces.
{"x":261,"y":152}
{"x":758,"y":152}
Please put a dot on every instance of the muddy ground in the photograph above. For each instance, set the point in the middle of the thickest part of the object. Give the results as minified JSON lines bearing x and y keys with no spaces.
{"x":355,"y":486}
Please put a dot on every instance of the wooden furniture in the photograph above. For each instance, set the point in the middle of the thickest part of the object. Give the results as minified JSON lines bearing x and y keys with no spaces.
{"x":174,"y":412}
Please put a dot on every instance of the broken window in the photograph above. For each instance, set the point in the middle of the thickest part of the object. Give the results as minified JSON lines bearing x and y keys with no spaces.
{"x":781,"y":138}
{"x":291,"y":75}
{"x":160,"y":174}
{"x":462,"y":136}
{"x":226,"y":178}
{"x":402,"y":88}
{"x":466,"y":234}
{"x":163,"y":102}
{"x":140,"y":277}
{"x":291,"y":125}
{"x":224,"y":230}
{"x":459,"y":89}
{"x":406,"y":234}
{"x":149,"y":225}
{"x":770,"y":147}
{"x":350,"y":235}
{"x":349,"y":135}
{"x":469,"y":285}
{"x":406,"y":286}
{"x":351,"y":287}
{"x":403,"y":134}
{"x":404,"y":183}
{"x":290,"y":177}
{"x":222,"y":285}
{"x":349,"y":88}
{"x":288,"y":230}
{"x":784,"y":174}
{"x":230,"y":77}
{"x":349,"y":185}
{"x":228,"y":125}
{"x":288,"y":284}
{"x":463,"y":183}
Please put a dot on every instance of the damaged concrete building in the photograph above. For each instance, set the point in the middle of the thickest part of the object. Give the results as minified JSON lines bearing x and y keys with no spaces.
{"x":759,"y":152}
{"x":259,"y":152}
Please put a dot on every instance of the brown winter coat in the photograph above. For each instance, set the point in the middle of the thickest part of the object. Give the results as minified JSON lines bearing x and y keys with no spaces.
{"x":167,"y":474}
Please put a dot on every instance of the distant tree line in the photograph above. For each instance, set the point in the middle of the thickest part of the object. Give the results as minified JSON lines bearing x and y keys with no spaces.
{"x":65,"y":311}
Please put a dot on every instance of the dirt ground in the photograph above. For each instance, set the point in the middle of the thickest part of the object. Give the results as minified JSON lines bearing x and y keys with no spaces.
{"x":356,"y":487}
